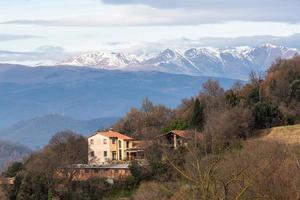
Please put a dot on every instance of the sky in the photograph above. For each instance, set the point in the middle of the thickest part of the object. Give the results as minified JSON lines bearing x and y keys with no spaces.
{"x":89,"y":25}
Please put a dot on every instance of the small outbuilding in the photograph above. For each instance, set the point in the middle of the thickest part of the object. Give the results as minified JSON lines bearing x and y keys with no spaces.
{"x":176,"y":138}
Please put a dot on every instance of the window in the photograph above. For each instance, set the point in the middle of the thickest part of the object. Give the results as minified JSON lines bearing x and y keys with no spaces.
{"x":92,"y":153}
{"x":114,"y":155}
{"x":127,"y":145}
{"x":105,"y":153}
{"x":92,"y":141}
{"x":113,"y":141}
{"x":104,"y":141}
{"x":120,"y":144}
{"x":120,"y":154}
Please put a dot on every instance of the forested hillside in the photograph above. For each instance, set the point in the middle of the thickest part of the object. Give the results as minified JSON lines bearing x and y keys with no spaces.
{"x":228,"y":163}
{"x":264,"y":102}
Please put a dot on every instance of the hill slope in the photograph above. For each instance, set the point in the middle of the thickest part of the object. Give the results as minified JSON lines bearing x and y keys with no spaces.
{"x":36,"y":132}
{"x":282,"y":134}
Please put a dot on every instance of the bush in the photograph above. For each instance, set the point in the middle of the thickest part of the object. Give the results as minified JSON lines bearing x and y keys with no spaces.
{"x":13,"y":169}
{"x":152,"y":190}
{"x":266,"y":115}
{"x":177,"y":125}
{"x":91,"y":189}
{"x":223,"y":129}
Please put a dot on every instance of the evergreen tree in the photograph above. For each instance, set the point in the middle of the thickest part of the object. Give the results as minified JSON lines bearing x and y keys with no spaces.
{"x":13,"y":169}
{"x":198,"y":115}
{"x":266,"y":115}
{"x":296,"y":90}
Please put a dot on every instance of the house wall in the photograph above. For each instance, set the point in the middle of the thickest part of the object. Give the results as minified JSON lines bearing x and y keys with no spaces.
{"x":124,"y":147}
{"x":82,"y":174}
{"x":113,"y":147}
{"x":96,"y":145}
{"x":85,"y":174}
{"x":121,"y":149}
{"x":116,"y":147}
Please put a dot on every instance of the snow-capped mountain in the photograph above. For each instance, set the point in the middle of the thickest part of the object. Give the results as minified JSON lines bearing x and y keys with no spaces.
{"x":103,"y":60}
{"x":235,"y":62}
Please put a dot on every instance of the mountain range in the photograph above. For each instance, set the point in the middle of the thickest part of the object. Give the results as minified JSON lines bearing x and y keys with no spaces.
{"x":235,"y":62}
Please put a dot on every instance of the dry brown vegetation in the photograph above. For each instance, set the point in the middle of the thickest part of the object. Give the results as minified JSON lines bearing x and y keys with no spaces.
{"x":2,"y":194}
{"x":261,"y":170}
{"x":282,"y":134}
{"x":231,"y":163}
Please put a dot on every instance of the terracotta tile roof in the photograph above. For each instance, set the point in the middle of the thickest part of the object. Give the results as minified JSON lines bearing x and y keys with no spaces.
{"x":141,"y":144}
{"x":187,"y":134}
{"x":113,"y":134}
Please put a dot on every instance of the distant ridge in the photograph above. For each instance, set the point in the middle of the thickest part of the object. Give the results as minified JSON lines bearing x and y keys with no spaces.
{"x":36,"y":132}
{"x":85,"y":93}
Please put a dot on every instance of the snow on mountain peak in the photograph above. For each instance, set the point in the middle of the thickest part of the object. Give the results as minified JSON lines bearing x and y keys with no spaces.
{"x":101,"y":60}
{"x":269,"y":45}
{"x":235,"y":62}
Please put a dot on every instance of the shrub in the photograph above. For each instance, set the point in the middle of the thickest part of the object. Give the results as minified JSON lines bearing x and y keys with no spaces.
{"x":266,"y":115}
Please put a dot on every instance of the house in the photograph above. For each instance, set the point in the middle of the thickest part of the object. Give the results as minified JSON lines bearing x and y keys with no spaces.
{"x":110,"y":146}
{"x":176,"y":138}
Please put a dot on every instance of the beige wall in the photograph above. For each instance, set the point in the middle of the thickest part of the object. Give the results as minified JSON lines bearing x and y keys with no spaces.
{"x":117,"y":148}
{"x":124,"y":142}
{"x":96,"y":144}
{"x":123,"y":149}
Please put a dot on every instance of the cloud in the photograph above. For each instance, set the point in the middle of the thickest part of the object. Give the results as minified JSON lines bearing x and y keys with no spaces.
{"x":50,"y":49}
{"x":208,"y":4}
{"x":118,"y":13}
{"x":233,"y":10}
{"x":147,"y":16}
{"x":9,"y":37}
{"x":43,"y":54}
{"x":292,"y":41}
{"x":118,"y":21}
{"x":115,"y":43}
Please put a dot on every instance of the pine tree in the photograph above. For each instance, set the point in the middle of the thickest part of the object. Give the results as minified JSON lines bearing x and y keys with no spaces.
{"x":198,"y":115}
